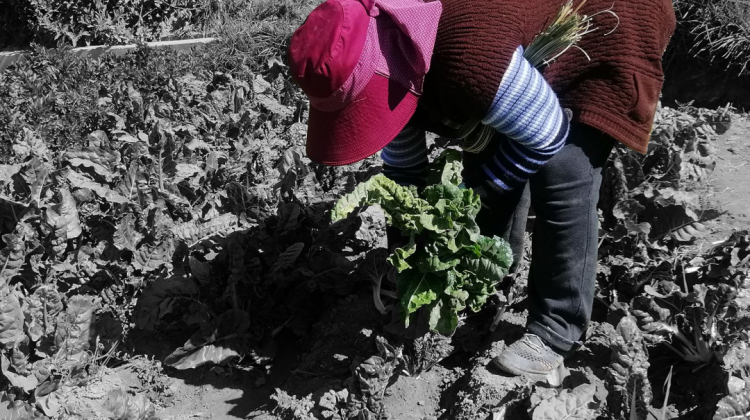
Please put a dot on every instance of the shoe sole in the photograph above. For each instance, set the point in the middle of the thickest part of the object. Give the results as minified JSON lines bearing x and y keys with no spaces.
{"x":553,"y":377}
{"x":499,"y":364}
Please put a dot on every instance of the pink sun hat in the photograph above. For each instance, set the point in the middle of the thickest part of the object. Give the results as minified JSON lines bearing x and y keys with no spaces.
{"x":362,"y":64}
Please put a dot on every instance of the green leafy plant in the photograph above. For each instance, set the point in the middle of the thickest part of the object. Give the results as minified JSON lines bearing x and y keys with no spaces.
{"x":447,"y":265}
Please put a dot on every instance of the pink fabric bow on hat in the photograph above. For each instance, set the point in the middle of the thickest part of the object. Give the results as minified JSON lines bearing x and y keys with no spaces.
{"x":362,"y":64}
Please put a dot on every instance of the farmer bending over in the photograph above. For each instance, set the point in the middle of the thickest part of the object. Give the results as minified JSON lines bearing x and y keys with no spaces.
{"x":380,"y":73}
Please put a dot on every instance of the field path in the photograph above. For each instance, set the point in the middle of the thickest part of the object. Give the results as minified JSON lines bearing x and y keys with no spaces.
{"x":730,"y":181}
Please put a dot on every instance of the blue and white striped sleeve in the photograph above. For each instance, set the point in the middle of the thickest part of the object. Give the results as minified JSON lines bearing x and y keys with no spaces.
{"x":528,"y":113}
{"x":405,"y":158}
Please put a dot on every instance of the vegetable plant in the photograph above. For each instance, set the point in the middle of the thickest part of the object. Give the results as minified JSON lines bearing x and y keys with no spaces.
{"x":447,"y":265}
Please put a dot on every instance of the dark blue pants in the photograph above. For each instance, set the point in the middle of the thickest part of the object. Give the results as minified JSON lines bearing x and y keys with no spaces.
{"x":564,"y":195}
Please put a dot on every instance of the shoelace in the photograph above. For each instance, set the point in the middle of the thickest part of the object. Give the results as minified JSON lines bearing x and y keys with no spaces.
{"x":536,"y":347}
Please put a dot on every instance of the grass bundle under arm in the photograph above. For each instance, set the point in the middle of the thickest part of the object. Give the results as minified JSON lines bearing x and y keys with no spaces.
{"x":565,"y":31}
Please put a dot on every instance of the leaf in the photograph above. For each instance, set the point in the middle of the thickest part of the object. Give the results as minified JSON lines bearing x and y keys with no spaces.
{"x":664,"y":220}
{"x":36,"y":176}
{"x":734,"y":407}
{"x":79,"y":181}
{"x":212,"y":163}
{"x":217,"y":342}
{"x":64,"y":221}
{"x":148,"y":258}
{"x":718,"y":300}
{"x":11,"y":319}
{"x":443,"y":316}
{"x":16,"y":410}
{"x":157,"y":300}
{"x":75,"y":327}
{"x":446,"y":169}
{"x":690,"y":231}
{"x":184,"y":171}
{"x":126,"y":236}
{"x":671,"y":197}
{"x":273,"y":106}
{"x":123,"y":406}
{"x":627,"y":209}
{"x":402,"y":206}
{"x":12,"y":258}
{"x":400,"y":255}
{"x":576,"y":403}
{"x":637,"y":228}
{"x":101,"y":161}
{"x":200,"y":270}
{"x":12,"y":210}
{"x":614,"y":187}
{"x":40,"y":310}
{"x":108,"y":331}
{"x":496,"y":259}
{"x":330,"y":269}
{"x":351,"y":201}
{"x":192,"y":232}
{"x":98,"y":138}
{"x":26,"y":382}
{"x":417,"y":289}
{"x":288,"y":257}
{"x":291,"y":160}
{"x":8,"y":171}
{"x":28,"y":143}
{"x":18,"y":356}
{"x":628,"y":370}
{"x":438,"y":258}
{"x":129,"y":186}
{"x":196,"y":144}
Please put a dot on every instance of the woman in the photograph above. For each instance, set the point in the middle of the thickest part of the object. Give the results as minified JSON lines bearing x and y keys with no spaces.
{"x":380,"y":73}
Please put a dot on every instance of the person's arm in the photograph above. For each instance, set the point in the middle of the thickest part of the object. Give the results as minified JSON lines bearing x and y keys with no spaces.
{"x":405,"y":158}
{"x":527,"y":112}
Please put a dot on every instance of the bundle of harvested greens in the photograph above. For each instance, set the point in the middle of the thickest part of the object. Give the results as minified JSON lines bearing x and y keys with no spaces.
{"x":447,"y":266}
{"x":564,"y":32}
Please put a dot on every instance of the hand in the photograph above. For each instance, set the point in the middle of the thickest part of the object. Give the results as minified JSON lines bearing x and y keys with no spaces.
{"x":477,"y":181}
{"x":490,"y":197}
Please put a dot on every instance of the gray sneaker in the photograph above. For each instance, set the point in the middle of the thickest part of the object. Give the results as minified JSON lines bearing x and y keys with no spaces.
{"x":530,"y":356}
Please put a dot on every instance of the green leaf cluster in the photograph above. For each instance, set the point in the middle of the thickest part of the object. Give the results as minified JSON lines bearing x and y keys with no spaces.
{"x":447,"y":265}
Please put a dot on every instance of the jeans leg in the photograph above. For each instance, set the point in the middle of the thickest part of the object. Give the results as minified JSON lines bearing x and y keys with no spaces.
{"x":564,"y":194}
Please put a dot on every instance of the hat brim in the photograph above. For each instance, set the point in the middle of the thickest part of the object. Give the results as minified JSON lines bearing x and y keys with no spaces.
{"x":362,"y":128}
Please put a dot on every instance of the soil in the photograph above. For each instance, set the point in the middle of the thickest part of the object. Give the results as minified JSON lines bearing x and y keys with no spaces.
{"x":462,"y":386}
{"x":729,"y":181}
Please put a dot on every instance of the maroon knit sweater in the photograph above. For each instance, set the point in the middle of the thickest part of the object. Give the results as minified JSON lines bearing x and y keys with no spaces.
{"x":616,"y":91}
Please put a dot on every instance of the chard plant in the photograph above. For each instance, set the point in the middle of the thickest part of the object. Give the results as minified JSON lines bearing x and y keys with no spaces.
{"x":447,"y":265}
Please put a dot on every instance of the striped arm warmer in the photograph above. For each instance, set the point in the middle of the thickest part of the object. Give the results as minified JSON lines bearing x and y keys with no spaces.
{"x":525,"y":109}
{"x":405,"y":158}
{"x":528,"y":112}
